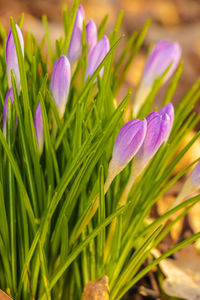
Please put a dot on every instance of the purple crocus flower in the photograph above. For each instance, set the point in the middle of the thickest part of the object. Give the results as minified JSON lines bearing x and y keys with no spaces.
{"x":128,"y":142}
{"x":11,"y":57}
{"x":75,"y":46}
{"x":11,"y":96}
{"x":38,"y":123}
{"x":91,"y":35}
{"x":161,"y":57}
{"x":96,"y":56}
{"x":60,"y":83}
{"x":158,"y":129}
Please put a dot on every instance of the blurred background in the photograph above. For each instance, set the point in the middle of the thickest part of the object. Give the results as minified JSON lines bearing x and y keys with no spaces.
{"x":176,"y":20}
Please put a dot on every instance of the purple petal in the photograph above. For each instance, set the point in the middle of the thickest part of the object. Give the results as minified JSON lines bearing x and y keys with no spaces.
{"x":91,"y":35}
{"x":162,"y":55}
{"x":60,"y":83}
{"x":128,"y":142}
{"x":75,"y":46}
{"x":38,"y":122}
{"x":157,"y":129}
{"x":11,"y":57}
{"x":169,"y":110}
{"x":11,"y":96}
{"x":97,"y":55}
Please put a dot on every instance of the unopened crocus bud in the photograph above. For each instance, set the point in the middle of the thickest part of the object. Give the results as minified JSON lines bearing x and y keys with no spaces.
{"x":11,"y":57}
{"x":60,"y":83}
{"x":38,"y":123}
{"x":91,"y":35}
{"x":128,"y":142}
{"x":163,"y":55}
{"x":159,"y":125}
{"x":75,"y":46}
{"x":10,"y":96}
{"x":96,"y":56}
{"x":158,"y":129}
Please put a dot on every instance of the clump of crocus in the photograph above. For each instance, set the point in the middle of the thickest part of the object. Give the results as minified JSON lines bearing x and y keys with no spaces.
{"x":91,"y":35}
{"x":10,"y":96}
{"x":96,"y":56}
{"x":163,"y":55}
{"x":159,"y":125}
{"x":190,"y":187}
{"x":11,"y":57}
{"x":128,"y":142}
{"x":60,"y":83}
{"x":38,"y":123}
{"x":75,"y":46}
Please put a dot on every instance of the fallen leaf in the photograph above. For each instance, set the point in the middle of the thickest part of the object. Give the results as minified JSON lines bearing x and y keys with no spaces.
{"x":182,"y":274}
{"x":96,"y":290}
{"x":3,"y":296}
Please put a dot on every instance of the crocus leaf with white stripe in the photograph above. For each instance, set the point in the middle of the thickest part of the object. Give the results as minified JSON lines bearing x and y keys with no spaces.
{"x":10,"y":96}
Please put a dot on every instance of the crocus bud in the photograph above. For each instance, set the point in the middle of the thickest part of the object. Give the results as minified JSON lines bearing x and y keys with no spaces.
{"x":38,"y":123}
{"x":158,"y":129}
{"x":60,"y":83}
{"x":11,"y":96}
{"x":162,"y":56}
{"x":96,"y":56}
{"x":11,"y":57}
{"x":75,"y":46}
{"x":159,"y":125}
{"x":128,"y":142}
{"x":91,"y":35}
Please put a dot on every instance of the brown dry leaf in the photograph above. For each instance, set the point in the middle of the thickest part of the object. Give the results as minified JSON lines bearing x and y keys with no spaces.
{"x":96,"y":290}
{"x":183,"y":274}
{"x":3,"y":296}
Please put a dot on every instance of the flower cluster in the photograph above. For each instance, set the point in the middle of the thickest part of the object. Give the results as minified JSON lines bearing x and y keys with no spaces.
{"x":61,"y":74}
{"x":141,"y":140}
